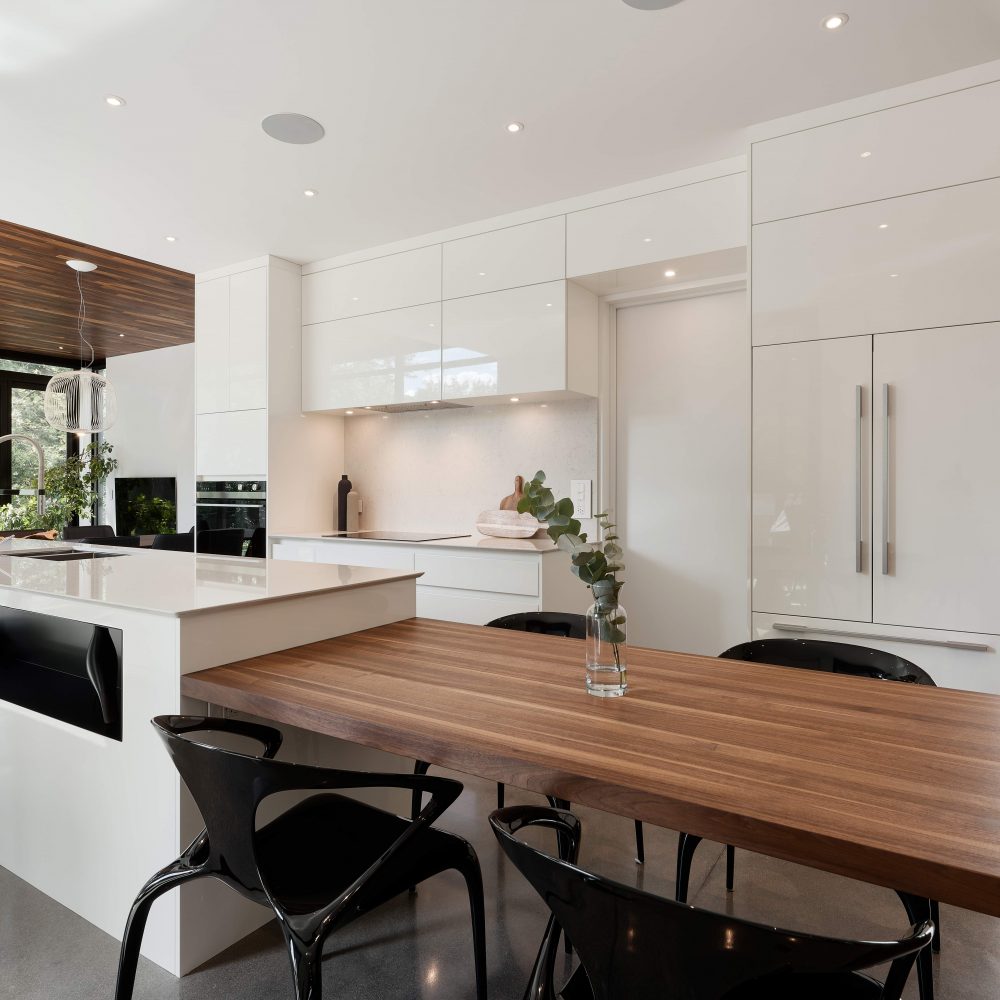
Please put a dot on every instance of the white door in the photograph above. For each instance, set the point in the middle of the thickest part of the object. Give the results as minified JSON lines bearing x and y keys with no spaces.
{"x":683,"y":391}
{"x":940,"y":516}
{"x":812,"y":405}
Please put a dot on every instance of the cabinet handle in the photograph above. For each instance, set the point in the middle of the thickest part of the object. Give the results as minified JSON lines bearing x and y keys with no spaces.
{"x":972,"y":647}
{"x":885,"y":478}
{"x":859,"y":566}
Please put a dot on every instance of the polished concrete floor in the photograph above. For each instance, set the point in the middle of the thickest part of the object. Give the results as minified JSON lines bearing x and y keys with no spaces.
{"x":420,"y":946}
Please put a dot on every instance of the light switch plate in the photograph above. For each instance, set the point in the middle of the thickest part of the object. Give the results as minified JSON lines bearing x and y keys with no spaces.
{"x":579,"y":493}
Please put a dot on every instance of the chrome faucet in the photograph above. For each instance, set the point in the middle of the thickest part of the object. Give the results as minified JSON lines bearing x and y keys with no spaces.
{"x":41,"y":465}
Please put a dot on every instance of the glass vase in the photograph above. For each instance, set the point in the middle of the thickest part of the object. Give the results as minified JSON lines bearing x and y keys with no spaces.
{"x":607,"y":654}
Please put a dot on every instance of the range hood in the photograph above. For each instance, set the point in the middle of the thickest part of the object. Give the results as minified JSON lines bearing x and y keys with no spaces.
{"x":443,"y":404}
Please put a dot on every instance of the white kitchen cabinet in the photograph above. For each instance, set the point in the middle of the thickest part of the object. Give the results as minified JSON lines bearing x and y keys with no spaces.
{"x":468,"y":606}
{"x":387,"y":357}
{"x":248,"y":340}
{"x":506,"y":258}
{"x":811,"y":478}
{"x":919,"y":261}
{"x":939,"y":515}
{"x":392,"y":282}
{"x":968,"y":661}
{"x":232,"y":444}
{"x":934,"y":143}
{"x":211,"y":345}
{"x":680,"y":222}
{"x":361,"y":554}
{"x":539,"y":339}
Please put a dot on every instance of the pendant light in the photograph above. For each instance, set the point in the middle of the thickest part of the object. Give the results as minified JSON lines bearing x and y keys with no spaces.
{"x":81,"y":402}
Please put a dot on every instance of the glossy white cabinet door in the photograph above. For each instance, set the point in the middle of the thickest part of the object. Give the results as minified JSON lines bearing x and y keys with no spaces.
{"x":506,"y":258}
{"x":505,"y":343}
{"x":696,"y":218}
{"x":211,"y":345}
{"x":401,"y":279}
{"x":248,"y":340}
{"x":840,"y":273}
{"x":934,"y":143}
{"x":811,"y":478}
{"x":943,"y":515}
{"x":232,"y":445}
{"x":388,"y":357}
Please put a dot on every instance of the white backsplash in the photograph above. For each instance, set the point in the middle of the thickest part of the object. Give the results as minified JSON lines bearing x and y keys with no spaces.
{"x":437,"y":471}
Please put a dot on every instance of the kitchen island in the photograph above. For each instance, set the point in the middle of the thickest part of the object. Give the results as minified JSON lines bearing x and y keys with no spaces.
{"x":96,"y":640}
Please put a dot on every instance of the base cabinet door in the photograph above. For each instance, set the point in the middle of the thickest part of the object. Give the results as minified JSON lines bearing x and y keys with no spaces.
{"x":469,"y":606}
{"x":811,"y":472}
{"x":937,"y":478}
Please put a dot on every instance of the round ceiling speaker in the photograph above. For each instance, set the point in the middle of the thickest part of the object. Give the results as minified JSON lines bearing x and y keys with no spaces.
{"x":652,"y":4}
{"x":289,"y":127}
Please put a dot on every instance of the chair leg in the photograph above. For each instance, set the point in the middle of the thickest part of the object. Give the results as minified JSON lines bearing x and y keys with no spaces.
{"x":500,"y":795}
{"x":473,"y":876}
{"x":936,"y":917}
{"x":918,"y":910}
{"x":687,"y":844}
{"x":565,"y":854}
{"x":730,"y":867}
{"x":640,"y":847}
{"x":161,"y":882}
{"x":419,"y":767}
{"x":306,"y":959}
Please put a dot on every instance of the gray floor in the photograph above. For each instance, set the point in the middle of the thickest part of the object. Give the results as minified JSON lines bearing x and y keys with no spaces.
{"x":420,"y":946}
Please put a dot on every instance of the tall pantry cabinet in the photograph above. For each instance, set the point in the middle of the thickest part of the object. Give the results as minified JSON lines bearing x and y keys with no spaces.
{"x":876,"y":401}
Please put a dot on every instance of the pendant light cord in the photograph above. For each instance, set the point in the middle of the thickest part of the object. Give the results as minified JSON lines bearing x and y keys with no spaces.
{"x":81,"y":317}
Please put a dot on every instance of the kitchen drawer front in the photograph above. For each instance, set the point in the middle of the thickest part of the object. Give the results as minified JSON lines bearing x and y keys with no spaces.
{"x":388,"y":357}
{"x":974,"y":669}
{"x":500,"y":574}
{"x":951,"y":139}
{"x":693,"y":219}
{"x":401,"y":279}
{"x":294,"y":550}
{"x":365,"y":554}
{"x":840,"y":274}
{"x":469,"y":607}
{"x":506,"y":258}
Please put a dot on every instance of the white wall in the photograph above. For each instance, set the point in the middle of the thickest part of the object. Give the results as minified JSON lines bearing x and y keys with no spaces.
{"x":437,"y":471}
{"x":154,"y":432}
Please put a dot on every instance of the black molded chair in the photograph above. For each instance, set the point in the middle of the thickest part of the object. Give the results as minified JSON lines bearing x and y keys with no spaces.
{"x":835,"y":658}
{"x":221,"y":542}
{"x":318,"y":866}
{"x":257,"y":549}
{"x":125,"y":541}
{"x":77,"y":532}
{"x":174,"y":543}
{"x":637,"y":946}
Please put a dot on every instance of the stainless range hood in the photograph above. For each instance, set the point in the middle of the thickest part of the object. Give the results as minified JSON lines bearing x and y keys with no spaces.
{"x":413,"y":407}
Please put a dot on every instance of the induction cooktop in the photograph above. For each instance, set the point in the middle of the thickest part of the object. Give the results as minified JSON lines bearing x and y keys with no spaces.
{"x":393,"y":536}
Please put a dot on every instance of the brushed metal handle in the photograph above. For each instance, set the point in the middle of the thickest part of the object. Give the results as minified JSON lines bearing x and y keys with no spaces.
{"x":859,"y":405}
{"x":972,"y":647}
{"x":885,"y":478}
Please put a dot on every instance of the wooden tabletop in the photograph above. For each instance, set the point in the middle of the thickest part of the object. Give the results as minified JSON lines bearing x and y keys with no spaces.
{"x":894,"y":784}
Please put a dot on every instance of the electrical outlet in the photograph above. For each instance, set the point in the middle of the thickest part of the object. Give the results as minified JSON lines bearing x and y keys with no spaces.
{"x":579,"y":493}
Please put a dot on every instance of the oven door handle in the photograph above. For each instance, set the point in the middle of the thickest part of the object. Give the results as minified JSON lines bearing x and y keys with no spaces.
{"x":233,"y":506}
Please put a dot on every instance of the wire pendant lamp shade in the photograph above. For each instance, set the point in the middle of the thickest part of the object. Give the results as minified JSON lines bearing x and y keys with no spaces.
{"x":81,"y":402}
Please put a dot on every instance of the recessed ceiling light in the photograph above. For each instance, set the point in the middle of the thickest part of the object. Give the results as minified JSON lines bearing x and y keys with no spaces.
{"x":515,"y":399}
{"x":669,"y":274}
{"x":647,"y":239}
{"x":434,"y":402}
{"x":548,"y":305}
{"x":121,"y":334}
{"x":350,"y":413}
{"x":893,"y":275}
{"x":170,"y":239}
{"x":515,"y":127}
{"x":834,"y":21}
{"x":883,"y":225}
{"x":543,"y":405}
{"x":482,"y":274}
{"x":309,"y":193}
{"x":354,"y":298}
{"x":866,"y":154}
{"x":294,"y":128}
{"x":115,"y":101}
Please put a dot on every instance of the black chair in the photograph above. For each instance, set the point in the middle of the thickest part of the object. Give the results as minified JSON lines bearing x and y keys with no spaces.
{"x":637,"y":946}
{"x":77,"y":532}
{"x":835,"y":658}
{"x":318,"y":866}
{"x":221,"y":542}
{"x":174,"y":543}
{"x":126,"y":541}
{"x":257,"y":549}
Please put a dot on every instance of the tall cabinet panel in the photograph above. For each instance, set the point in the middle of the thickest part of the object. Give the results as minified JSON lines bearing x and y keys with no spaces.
{"x":248,"y":339}
{"x":211,"y":345}
{"x":937,"y":480}
{"x":811,"y":478}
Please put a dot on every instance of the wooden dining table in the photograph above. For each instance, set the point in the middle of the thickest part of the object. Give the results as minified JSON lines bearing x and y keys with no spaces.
{"x":893,"y":784}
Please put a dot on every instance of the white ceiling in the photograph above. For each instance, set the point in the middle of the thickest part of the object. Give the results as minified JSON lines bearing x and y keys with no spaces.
{"x":414,"y":95}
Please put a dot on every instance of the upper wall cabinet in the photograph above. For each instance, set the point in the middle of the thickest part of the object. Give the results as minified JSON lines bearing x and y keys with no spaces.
{"x":507,"y":258}
{"x":923,"y":260}
{"x":697,"y":218}
{"x":934,"y":143}
{"x":402,"y":279}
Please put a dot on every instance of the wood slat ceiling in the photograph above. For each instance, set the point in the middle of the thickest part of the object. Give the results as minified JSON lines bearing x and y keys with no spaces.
{"x":132,"y":305}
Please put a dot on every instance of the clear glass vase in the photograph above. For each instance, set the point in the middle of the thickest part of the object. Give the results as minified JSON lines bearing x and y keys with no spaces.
{"x":607,"y":653}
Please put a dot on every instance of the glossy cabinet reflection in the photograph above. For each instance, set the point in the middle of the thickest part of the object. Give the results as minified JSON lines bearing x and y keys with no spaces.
{"x":811,"y":478}
{"x":914,"y":262}
{"x":211,"y":345}
{"x":383,"y":358}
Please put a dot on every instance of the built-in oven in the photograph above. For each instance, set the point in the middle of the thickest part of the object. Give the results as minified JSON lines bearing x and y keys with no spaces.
{"x":231,"y":504}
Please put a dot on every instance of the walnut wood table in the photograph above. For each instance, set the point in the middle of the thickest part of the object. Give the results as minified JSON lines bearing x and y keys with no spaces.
{"x":894,"y":784}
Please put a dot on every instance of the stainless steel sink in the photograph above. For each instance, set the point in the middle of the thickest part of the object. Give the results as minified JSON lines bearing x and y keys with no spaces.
{"x":70,"y":555}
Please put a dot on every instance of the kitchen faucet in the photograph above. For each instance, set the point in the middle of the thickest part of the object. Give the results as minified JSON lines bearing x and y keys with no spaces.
{"x":41,"y":465}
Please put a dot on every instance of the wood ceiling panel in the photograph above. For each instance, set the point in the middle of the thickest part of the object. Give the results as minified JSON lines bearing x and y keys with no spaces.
{"x":132,"y":305}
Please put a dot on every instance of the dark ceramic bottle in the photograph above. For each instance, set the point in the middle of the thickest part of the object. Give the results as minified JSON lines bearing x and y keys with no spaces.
{"x":343,"y":488}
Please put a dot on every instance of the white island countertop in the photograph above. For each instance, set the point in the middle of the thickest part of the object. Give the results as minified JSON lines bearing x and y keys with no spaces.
{"x":173,"y":583}
{"x":486,"y":543}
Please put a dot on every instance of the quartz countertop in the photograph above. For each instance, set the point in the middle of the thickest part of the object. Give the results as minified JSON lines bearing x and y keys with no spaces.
{"x":474,"y":541}
{"x":173,"y":583}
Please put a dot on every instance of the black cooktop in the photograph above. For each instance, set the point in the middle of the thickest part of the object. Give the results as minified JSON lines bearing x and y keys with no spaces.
{"x":393,"y":536}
